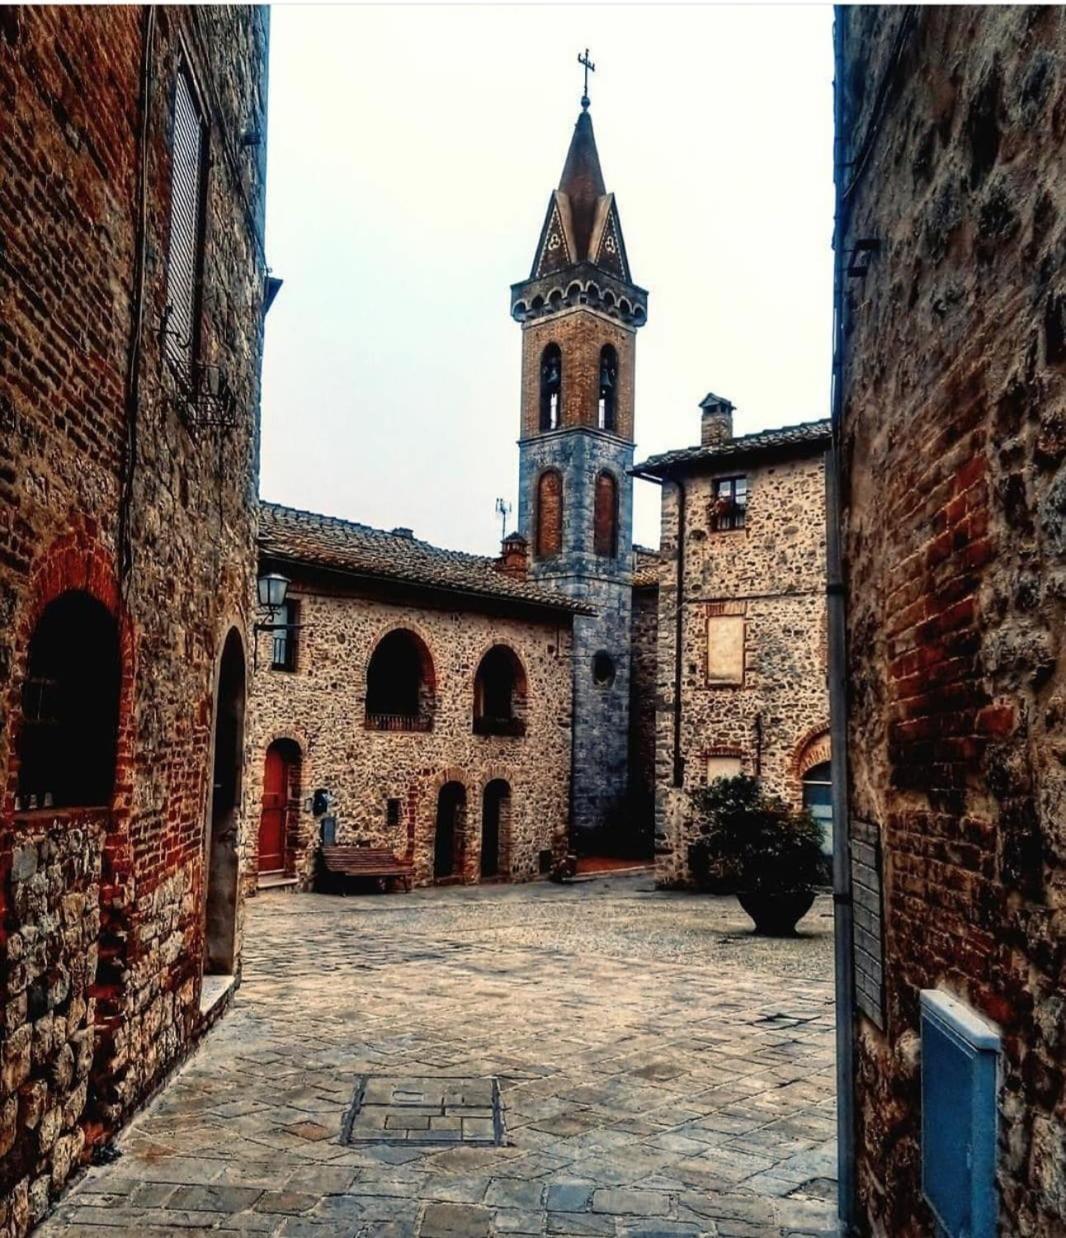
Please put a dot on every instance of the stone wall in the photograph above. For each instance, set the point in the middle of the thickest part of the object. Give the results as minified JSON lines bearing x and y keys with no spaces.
{"x":110,"y":487}
{"x":321,"y":706}
{"x":759,"y":715}
{"x":643,"y":676}
{"x":954,"y":453}
{"x":601,"y":708}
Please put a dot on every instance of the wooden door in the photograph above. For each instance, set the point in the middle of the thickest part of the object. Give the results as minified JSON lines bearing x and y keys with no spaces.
{"x":275,"y":813}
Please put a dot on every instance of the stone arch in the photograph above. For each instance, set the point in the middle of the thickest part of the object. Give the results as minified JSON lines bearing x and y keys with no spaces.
{"x":400,"y":681}
{"x":500,"y":692}
{"x":812,"y":749}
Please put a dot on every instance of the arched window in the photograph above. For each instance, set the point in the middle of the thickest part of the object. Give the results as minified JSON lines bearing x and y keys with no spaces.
{"x":605,"y":516}
{"x":818,"y":801}
{"x":70,"y":706}
{"x":608,"y":387}
{"x":551,"y":387}
{"x":549,"y":513}
{"x":400,"y":684}
{"x":500,"y":694}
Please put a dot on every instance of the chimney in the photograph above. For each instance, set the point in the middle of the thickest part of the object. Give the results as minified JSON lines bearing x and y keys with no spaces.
{"x":716,"y":420}
{"x":514,"y":556}
{"x":403,"y":531}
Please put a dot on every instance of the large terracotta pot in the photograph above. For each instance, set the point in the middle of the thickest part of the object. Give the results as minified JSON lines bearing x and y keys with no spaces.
{"x":776,"y":915}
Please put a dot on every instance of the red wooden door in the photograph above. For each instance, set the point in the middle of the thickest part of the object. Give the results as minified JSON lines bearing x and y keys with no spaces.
{"x":275,"y":812}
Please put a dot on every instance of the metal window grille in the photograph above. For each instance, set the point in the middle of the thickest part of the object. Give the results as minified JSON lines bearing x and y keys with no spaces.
{"x":185,"y":256}
{"x":730,"y":503}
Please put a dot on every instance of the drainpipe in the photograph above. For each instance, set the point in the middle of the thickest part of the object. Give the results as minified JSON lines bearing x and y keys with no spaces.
{"x":835,"y":607}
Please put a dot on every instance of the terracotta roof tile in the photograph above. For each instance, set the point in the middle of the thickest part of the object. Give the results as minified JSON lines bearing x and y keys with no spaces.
{"x":328,"y":541}
{"x":647,"y":567}
{"x":803,"y":435}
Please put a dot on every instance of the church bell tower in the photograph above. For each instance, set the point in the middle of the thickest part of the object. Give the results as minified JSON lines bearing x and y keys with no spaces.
{"x":580,"y":312}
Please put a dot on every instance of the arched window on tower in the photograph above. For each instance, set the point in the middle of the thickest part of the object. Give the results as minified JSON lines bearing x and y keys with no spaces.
{"x":608,"y":387}
{"x":549,"y":513}
{"x":605,"y":516}
{"x":551,"y":387}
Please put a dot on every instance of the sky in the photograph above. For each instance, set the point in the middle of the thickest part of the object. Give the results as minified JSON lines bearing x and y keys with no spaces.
{"x":412,"y":152}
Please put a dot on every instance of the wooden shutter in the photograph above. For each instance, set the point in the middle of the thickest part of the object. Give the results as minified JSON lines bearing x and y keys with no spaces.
{"x":184,"y":260}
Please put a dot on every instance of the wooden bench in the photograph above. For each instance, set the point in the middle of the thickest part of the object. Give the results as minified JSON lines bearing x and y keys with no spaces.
{"x":371,"y":862}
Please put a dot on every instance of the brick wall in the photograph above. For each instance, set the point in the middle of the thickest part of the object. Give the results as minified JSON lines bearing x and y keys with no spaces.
{"x":580,"y":333}
{"x":107,"y":487}
{"x":954,"y":481}
{"x":322,"y":707}
{"x":769,"y":578}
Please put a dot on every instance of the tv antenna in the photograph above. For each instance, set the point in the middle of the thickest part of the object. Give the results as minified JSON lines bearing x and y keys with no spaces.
{"x":503,"y":510}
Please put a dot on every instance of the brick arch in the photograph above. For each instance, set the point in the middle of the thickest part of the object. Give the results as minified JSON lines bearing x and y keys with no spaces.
{"x":400,"y":625}
{"x":77,"y":561}
{"x":812,"y":749}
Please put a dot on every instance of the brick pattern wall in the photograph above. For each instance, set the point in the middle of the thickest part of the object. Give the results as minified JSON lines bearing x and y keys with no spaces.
{"x":770,"y":575}
{"x":954,"y":498}
{"x":322,"y":705}
{"x":125,"y":500}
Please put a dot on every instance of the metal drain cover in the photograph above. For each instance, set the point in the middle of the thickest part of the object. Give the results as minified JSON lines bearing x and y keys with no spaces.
{"x":420,"y":1110}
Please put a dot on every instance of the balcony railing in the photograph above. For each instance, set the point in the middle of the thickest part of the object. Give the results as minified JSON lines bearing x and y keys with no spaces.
{"x":499,"y":726}
{"x":398,"y":722}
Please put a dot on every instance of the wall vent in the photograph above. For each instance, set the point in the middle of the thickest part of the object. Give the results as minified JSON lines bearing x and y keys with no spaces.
{"x":960,"y":1079}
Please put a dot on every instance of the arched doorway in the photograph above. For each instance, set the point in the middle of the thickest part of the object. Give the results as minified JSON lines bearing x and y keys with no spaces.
{"x":220,"y":896}
{"x":281,"y":795}
{"x":495,"y":828}
{"x":448,"y":836}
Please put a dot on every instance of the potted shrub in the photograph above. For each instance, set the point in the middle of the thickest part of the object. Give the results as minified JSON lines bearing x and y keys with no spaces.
{"x":758,"y":848}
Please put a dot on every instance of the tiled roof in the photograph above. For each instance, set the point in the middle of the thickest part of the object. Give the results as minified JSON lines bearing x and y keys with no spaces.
{"x":328,"y":541}
{"x":804,"y":435}
{"x":647,"y":566}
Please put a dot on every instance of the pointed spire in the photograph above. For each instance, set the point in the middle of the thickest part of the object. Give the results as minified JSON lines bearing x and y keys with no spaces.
{"x":582,"y":181}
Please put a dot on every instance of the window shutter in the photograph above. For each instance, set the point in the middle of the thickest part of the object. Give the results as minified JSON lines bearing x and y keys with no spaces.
{"x":186,"y":229}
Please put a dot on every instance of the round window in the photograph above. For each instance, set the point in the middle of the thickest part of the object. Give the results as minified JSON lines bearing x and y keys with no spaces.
{"x":603,"y":669}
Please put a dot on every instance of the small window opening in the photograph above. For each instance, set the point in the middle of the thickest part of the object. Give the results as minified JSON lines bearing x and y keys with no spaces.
{"x":392,"y":812}
{"x":603,"y":671}
{"x":70,"y":701}
{"x":730,"y":504}
{"x":283,"y":654}
{"x":551,"y":387}
{"x":499,"y":694}
{"x":608,"y":387}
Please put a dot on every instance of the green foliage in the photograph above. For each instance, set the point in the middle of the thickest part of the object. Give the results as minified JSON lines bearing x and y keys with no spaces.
{"x":752,"y":843}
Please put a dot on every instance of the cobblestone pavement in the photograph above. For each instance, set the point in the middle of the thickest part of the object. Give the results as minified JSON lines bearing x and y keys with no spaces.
{"x":660,"y":1072}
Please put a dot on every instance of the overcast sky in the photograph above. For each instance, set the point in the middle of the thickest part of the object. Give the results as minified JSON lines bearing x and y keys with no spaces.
{"x":412,"y":152}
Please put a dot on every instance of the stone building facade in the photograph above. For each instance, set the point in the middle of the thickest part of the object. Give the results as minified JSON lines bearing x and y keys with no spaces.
{"x":741,"y":619}
{"x":952,"y":359}
{"x":464,"y":772}
{"x":132,"y":285}
{"x":580,"y":312}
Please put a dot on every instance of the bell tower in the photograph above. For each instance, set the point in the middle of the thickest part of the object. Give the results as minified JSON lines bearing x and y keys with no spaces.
{"x":580,"y":311}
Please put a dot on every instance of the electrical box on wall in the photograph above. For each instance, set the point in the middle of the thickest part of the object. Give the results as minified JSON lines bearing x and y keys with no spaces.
{"x":960,"y":1083}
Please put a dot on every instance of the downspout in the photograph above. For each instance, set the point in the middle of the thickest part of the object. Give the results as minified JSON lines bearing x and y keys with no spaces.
{"x":837,"y":634}
{"x":679,"y":760}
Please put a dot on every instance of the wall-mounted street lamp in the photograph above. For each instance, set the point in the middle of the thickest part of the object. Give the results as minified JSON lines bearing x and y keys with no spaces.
{"x":272,"y":589}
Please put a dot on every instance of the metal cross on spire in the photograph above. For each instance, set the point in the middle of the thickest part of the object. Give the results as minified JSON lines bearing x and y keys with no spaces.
{"x":589,"y":68}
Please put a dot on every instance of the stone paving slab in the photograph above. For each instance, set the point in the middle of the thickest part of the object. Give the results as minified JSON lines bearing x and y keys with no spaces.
{"x":660,"y":1072}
